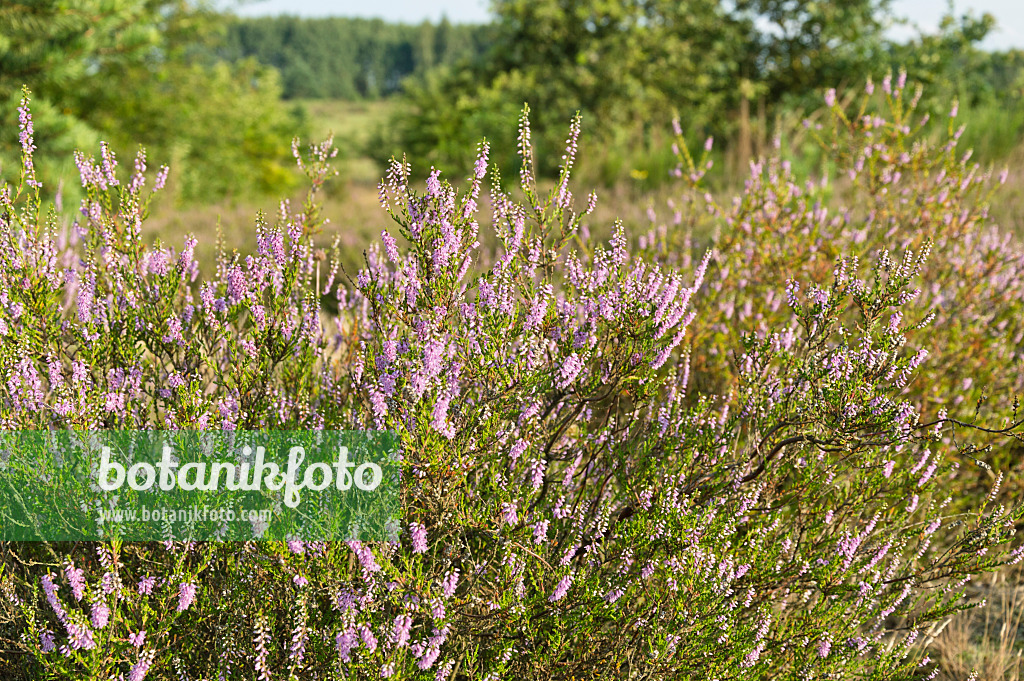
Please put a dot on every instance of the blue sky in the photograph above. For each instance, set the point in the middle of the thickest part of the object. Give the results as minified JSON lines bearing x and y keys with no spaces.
{"x":925,"y":13}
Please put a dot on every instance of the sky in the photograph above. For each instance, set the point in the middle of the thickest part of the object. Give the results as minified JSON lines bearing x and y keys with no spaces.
{"x":924,"y":13}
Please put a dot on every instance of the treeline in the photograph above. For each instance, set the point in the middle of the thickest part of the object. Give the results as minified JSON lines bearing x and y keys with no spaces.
{"x":350,"y":58}
{"x":743,"y":72}
{"x":207,"y":92}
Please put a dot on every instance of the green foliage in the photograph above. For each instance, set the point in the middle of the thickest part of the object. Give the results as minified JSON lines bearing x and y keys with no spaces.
{"x":810,"y":43}
{"x":222,"y":125}
{"x":624,"y":66}
{"x":142,"y":71}
{"x":58,"y":44}
{"x":628,"y":66}
{"x":989,"y":86}
{"x":349,"y":58}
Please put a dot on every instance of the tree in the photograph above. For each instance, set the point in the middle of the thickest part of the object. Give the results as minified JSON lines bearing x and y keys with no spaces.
{"x":141,"y":71}
{"x":810,"y":43}
{"x":624,"y":65}
{"x":627,"y":66}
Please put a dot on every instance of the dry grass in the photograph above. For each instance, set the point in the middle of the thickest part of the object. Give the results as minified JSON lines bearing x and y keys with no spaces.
{"x":989,"y":639}
{"x":355,"y":216}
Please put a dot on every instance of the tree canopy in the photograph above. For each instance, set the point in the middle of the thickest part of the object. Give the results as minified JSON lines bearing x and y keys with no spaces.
{"x":142,"y":72}
{"x":629,"y":66}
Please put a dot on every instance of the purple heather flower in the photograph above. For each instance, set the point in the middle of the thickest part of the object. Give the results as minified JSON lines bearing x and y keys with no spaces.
{"x":390,"y":246}
{"x":365,"y":555}
{"x":146,"y":585}
{"x":401,"y":628}
{"x":81,"y":636}
{"x":753,"y":656}
{"x":173,"y":334}
{"x":27,"y":145}
{"x":561,"y":589}
{"x":86,"y":291}
{"x":56,"y":374}
{"x":139,"y":177}
{"x":571,"y":368}
{"x":537,"y":474}
{"x":432,"y":355}
{"x":390,"y":351}
{"x":237,"y":284}
{"x":928,"y":473}
{"x":444,"y":671}
{"x":138,"y":638}
{"x":538,"y":310}
{"x":85,"y":169}
{"x":186,"y":596}
{"x":480,"y":167}
{"x":429,"y":657}
{"x":450,"y":583}
{"x":434,"y":183}
{"x":517,"y":450}
{"x":109,"y":164}
{"x":508,"y":513}
{"x":439,"y":421}
{"x":161,"y":178}
{"x":76,"y":579}
{"x":156,"y":263}
{"x":141,"y":668}
{"x":261,"y":636}
{"x":186,"y":263}
{"x":419,"y":537}
{"x":346,"y":641}
{"x":100,"y":615}
{"x":369,"y":640}
{"x":25,"y":126}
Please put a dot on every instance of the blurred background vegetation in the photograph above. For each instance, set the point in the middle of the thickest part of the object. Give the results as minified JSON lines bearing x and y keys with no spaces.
{"x":219,"y":97}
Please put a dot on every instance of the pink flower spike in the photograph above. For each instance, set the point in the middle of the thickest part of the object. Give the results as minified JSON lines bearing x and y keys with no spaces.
{"x":186,"y":596}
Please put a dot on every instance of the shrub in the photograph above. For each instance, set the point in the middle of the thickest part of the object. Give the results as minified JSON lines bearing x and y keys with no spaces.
{"x":574,"y":507}
{"x":896,"y":191}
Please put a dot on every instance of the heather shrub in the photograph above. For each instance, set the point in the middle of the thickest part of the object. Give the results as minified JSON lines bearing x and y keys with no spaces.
{"x":894,"y":190}
{"x":575,"y":506}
